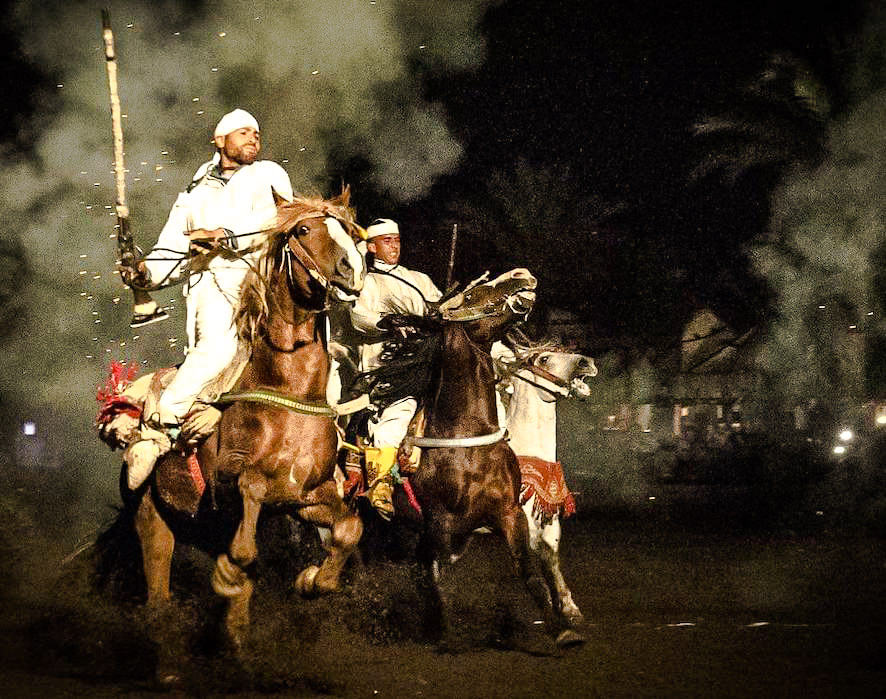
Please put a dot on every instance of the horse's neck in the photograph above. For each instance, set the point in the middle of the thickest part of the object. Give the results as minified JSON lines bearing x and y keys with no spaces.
{"x":465,"y":396}
{"x":532,"y":423}
{"x":292,"y":357}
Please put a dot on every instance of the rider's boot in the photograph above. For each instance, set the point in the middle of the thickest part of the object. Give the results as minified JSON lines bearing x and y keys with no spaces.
{"x":380,"y":462}
{"x":141,"y":456}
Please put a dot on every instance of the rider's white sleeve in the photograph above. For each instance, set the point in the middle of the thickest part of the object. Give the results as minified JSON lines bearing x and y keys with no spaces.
{"x":364,"y":313}
{"x":166,"y":260}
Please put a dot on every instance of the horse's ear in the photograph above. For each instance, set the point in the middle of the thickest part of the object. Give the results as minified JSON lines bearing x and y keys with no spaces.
{"x":278,"y":200}
{"x":344,"y":199}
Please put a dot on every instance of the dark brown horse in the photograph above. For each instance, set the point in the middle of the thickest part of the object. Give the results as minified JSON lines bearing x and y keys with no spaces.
{"x":277,"y":442}
{"x":468,"y":477}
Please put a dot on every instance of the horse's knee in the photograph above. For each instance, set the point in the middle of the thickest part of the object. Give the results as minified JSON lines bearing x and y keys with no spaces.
{"x":346,"y":533}
{"x":228,"y":579}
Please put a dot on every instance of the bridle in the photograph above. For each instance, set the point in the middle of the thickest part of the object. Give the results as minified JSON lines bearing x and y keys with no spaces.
{"x":293,"y":249}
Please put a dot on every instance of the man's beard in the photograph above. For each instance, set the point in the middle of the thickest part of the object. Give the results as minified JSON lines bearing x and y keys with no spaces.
{"x":241,"y":156}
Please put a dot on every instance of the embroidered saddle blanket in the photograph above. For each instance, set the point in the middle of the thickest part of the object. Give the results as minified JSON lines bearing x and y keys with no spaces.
{"x":545,"y":480}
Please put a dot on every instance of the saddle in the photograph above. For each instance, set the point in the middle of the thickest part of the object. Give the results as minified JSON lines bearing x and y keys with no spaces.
{"x":126,"y":402}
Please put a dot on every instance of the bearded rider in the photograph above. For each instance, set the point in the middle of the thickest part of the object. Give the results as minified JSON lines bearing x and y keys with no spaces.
{"x":229,"y":202}
{"x":389,"y":287}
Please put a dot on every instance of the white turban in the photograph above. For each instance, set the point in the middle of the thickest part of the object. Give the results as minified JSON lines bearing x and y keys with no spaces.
{"x":238,"y":119}
{"x":382,"y":226}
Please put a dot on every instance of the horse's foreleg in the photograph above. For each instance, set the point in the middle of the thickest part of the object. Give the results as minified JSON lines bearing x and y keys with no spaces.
{"x":327,"y":510}
{"x":229,"y":578}
{"x":549,"y":552}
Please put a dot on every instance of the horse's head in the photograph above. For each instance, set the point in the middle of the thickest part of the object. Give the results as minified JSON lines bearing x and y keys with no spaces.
{"x":561,"y":373}
{"x":488,"y":309}
{"x":319,"y":248}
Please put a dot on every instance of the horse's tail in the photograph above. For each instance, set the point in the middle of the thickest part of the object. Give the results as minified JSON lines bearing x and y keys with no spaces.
{"x":116,"y":568}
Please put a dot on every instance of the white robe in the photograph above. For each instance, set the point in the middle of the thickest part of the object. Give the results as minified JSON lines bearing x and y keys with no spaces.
{"x":244,"y":205}
{"x":382,"y":294}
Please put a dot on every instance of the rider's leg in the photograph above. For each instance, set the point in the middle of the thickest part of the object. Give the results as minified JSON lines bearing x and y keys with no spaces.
{"x":379,"y":471}
{"x":212,"y":347}
{"x":386,"y":432}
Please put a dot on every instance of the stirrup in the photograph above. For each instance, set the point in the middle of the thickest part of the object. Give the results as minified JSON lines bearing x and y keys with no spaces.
{"x":140,"y":319}
{"x":382,"y":502}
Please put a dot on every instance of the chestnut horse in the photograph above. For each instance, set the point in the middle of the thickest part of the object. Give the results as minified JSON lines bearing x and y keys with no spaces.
{"x":468,"y":477}
{"x":276,"y":442}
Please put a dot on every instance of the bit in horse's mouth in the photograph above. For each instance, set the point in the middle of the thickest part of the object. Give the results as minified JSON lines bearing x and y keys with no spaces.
{"x":522,"y":302}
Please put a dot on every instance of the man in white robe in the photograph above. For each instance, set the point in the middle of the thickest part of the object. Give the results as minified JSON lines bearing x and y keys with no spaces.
{"x":389,"y":287}
{"x":230,"y":202}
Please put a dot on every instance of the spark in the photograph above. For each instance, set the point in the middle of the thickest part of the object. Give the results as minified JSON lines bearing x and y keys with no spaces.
{"x":60,"y":85}
{"x":222,"y":35}
{"x":315,"y":72}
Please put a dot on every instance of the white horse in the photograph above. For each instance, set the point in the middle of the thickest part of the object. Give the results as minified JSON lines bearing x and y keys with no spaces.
{"x":532,"y":382}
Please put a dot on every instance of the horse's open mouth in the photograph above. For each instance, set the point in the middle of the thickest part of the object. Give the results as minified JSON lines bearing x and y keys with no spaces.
{"x":522,"y":302}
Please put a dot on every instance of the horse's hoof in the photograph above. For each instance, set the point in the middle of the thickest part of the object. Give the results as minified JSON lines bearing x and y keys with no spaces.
{"x":168,"y":679}
{"x":227,"y":578}
{"x":568,"y":638}
{"x":304,"y":583}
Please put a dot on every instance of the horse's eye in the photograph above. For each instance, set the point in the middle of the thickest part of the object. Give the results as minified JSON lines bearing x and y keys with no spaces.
{"x":303,"y":230}
{"x":543,"y":359}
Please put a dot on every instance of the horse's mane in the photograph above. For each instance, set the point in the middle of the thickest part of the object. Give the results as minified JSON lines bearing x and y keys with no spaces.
{"x":253,"y":309}
{"x":525,"y":349}
{"x":408,"y":362}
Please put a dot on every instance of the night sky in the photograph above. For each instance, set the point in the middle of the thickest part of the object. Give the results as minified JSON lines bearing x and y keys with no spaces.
{"x":557,"y":135}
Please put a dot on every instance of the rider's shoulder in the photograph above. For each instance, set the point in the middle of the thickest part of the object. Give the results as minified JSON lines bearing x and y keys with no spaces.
{"x":202,"y":170}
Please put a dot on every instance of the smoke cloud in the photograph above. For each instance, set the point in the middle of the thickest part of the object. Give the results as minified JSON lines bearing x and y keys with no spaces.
{"x":318,"y":76}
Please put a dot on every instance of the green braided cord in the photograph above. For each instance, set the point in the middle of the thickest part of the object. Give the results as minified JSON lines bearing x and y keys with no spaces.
{"x":279,"y":400}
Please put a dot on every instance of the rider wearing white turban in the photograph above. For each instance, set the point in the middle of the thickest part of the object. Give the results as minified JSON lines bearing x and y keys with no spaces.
{"x":237,"y":119}
{"x":229,"y":201}
{"x":389,"y":287}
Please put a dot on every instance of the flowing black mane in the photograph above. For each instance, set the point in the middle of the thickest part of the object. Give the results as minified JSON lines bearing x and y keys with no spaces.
{"x":408,"y":362}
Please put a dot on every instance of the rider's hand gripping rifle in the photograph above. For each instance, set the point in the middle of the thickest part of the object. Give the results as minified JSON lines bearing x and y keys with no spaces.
{"x":145,"y":309}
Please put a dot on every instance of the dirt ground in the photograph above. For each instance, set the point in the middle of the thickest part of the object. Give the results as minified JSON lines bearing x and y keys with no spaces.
{"x":675,"y":607}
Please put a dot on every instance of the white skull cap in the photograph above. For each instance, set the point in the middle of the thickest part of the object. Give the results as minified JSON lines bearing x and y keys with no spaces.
{"x":382,"y":226}
{"x":238,"y":119}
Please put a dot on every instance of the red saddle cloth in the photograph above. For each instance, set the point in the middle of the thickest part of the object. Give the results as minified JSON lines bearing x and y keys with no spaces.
{"x":180,"y":479}
{"x":545,"y":479}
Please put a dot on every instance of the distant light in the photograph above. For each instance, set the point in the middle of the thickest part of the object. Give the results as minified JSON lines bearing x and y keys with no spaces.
{"x":652,"y":497}
{"x":839,"y":449}
{"x":846,"y":436}
{"x":29,"y":428}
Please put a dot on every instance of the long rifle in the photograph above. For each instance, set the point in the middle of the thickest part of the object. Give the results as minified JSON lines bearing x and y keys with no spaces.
{"x":451,"y":267}
{"x":145,"y":309}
